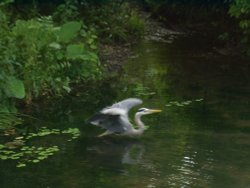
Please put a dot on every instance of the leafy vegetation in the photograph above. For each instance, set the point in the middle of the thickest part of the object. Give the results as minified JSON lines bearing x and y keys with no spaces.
{"x":51,"y":57}
{"x":240,"y":10}
{"x":121,"y":24}
{"x":39,"y":58}
{"x":9,"y":120}
{"x":46,"y":55}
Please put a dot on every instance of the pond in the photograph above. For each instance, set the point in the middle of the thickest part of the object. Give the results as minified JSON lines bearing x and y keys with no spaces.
{"x":201,"y":138}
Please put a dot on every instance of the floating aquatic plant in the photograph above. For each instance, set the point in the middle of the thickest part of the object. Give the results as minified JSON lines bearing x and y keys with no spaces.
{"x":199,"y":100}
{"x":33,"y":154}
{"x":73,"y":131}
{"x":183,"y":103}
{"x":28,"y":154}
{"x":44,"y":131}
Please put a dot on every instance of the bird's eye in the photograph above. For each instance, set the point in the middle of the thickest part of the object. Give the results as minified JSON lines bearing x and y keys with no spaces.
{"x":141,"y":109}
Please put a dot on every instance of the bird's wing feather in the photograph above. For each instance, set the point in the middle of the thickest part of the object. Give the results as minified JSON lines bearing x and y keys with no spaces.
{"x":127,"y":104}
{"x":113,"y":111}
{"x":113,"y":123}
{"x":115,"y":118}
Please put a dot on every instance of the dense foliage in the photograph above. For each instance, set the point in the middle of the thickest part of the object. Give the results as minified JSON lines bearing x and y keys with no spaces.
{"x":39,"y":58}
{"x":240,"y":9}
{"x":115,"y":21}
{"x":47,"y":48}
{"x":121,"y":22}
{"x":45,"y":54}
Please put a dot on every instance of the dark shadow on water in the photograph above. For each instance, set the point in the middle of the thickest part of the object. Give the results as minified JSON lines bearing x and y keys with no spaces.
{"x":113,"y":153}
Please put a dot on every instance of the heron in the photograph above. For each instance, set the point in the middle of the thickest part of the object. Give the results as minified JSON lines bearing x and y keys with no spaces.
{"x":115,"y":118}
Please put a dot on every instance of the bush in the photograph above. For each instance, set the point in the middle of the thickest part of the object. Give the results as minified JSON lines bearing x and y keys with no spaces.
{"x":38,"y":58}
{"x":135,"y":25}
{"x":240,"y":9}
{"x":115,"y":22}
{"x":10,"y":86}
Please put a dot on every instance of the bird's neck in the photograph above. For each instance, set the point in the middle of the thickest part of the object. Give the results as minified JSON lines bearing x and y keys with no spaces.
{"x":140,"y":125}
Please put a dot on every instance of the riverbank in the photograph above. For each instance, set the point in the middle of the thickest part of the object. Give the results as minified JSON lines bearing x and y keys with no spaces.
{"x":113,"y":56}
{"x":166,"y":22}
{"x":222,"y":22}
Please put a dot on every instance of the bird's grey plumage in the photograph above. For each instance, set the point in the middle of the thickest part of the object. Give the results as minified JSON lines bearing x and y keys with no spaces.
{"x":115,"y":118}
{"x":127,"y":104}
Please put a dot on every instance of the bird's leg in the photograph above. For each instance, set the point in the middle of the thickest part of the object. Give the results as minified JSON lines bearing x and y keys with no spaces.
{"x":104,"y":134}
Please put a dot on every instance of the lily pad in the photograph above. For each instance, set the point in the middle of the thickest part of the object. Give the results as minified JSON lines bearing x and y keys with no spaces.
{"x":20,"y":165}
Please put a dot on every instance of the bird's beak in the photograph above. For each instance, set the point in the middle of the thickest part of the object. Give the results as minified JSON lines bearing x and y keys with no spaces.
{"x":154,"y":111}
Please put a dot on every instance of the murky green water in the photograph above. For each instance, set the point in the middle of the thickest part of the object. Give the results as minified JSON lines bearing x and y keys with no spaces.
{"x":201,"y":144}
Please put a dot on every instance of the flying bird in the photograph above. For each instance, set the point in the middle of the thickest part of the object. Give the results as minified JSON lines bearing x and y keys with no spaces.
{"x":115,"y":118}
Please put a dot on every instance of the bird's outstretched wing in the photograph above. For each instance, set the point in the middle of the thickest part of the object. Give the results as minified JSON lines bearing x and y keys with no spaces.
{"x":113,"y":123}
{"x":127,"y":104}
{"x":115,"y":118}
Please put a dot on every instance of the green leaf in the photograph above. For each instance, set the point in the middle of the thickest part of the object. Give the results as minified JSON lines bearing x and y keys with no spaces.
{"x":90,"y":41}
{"x":75,"y":51}
{"x":20,"y":165}
{"x":67,"y":88}
{"x":3,"y":157}
{"x":16,"y":88}
{"x":69,"y":31}
{"x":93,"y":46}
{"x":55,"y":45}
{"x":199,"y":100}
{"x":41,"y":158}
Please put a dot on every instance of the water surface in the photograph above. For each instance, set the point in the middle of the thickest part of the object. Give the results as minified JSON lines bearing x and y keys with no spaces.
{"x":203,"y":144}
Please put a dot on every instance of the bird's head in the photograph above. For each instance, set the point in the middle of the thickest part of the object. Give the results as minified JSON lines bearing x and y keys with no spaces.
{"x":146,"y":111}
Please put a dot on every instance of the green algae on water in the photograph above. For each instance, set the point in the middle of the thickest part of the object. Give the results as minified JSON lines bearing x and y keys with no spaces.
{"x":25,"y":154}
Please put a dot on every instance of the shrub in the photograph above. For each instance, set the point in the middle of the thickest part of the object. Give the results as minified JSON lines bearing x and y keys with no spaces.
{"x":39,"y":58}
{"x":115,"y":22}
{"x":10,"y":86}
{"x":67,"y":11}
{"x":135,"y":25}
{"x":240,"y":9}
